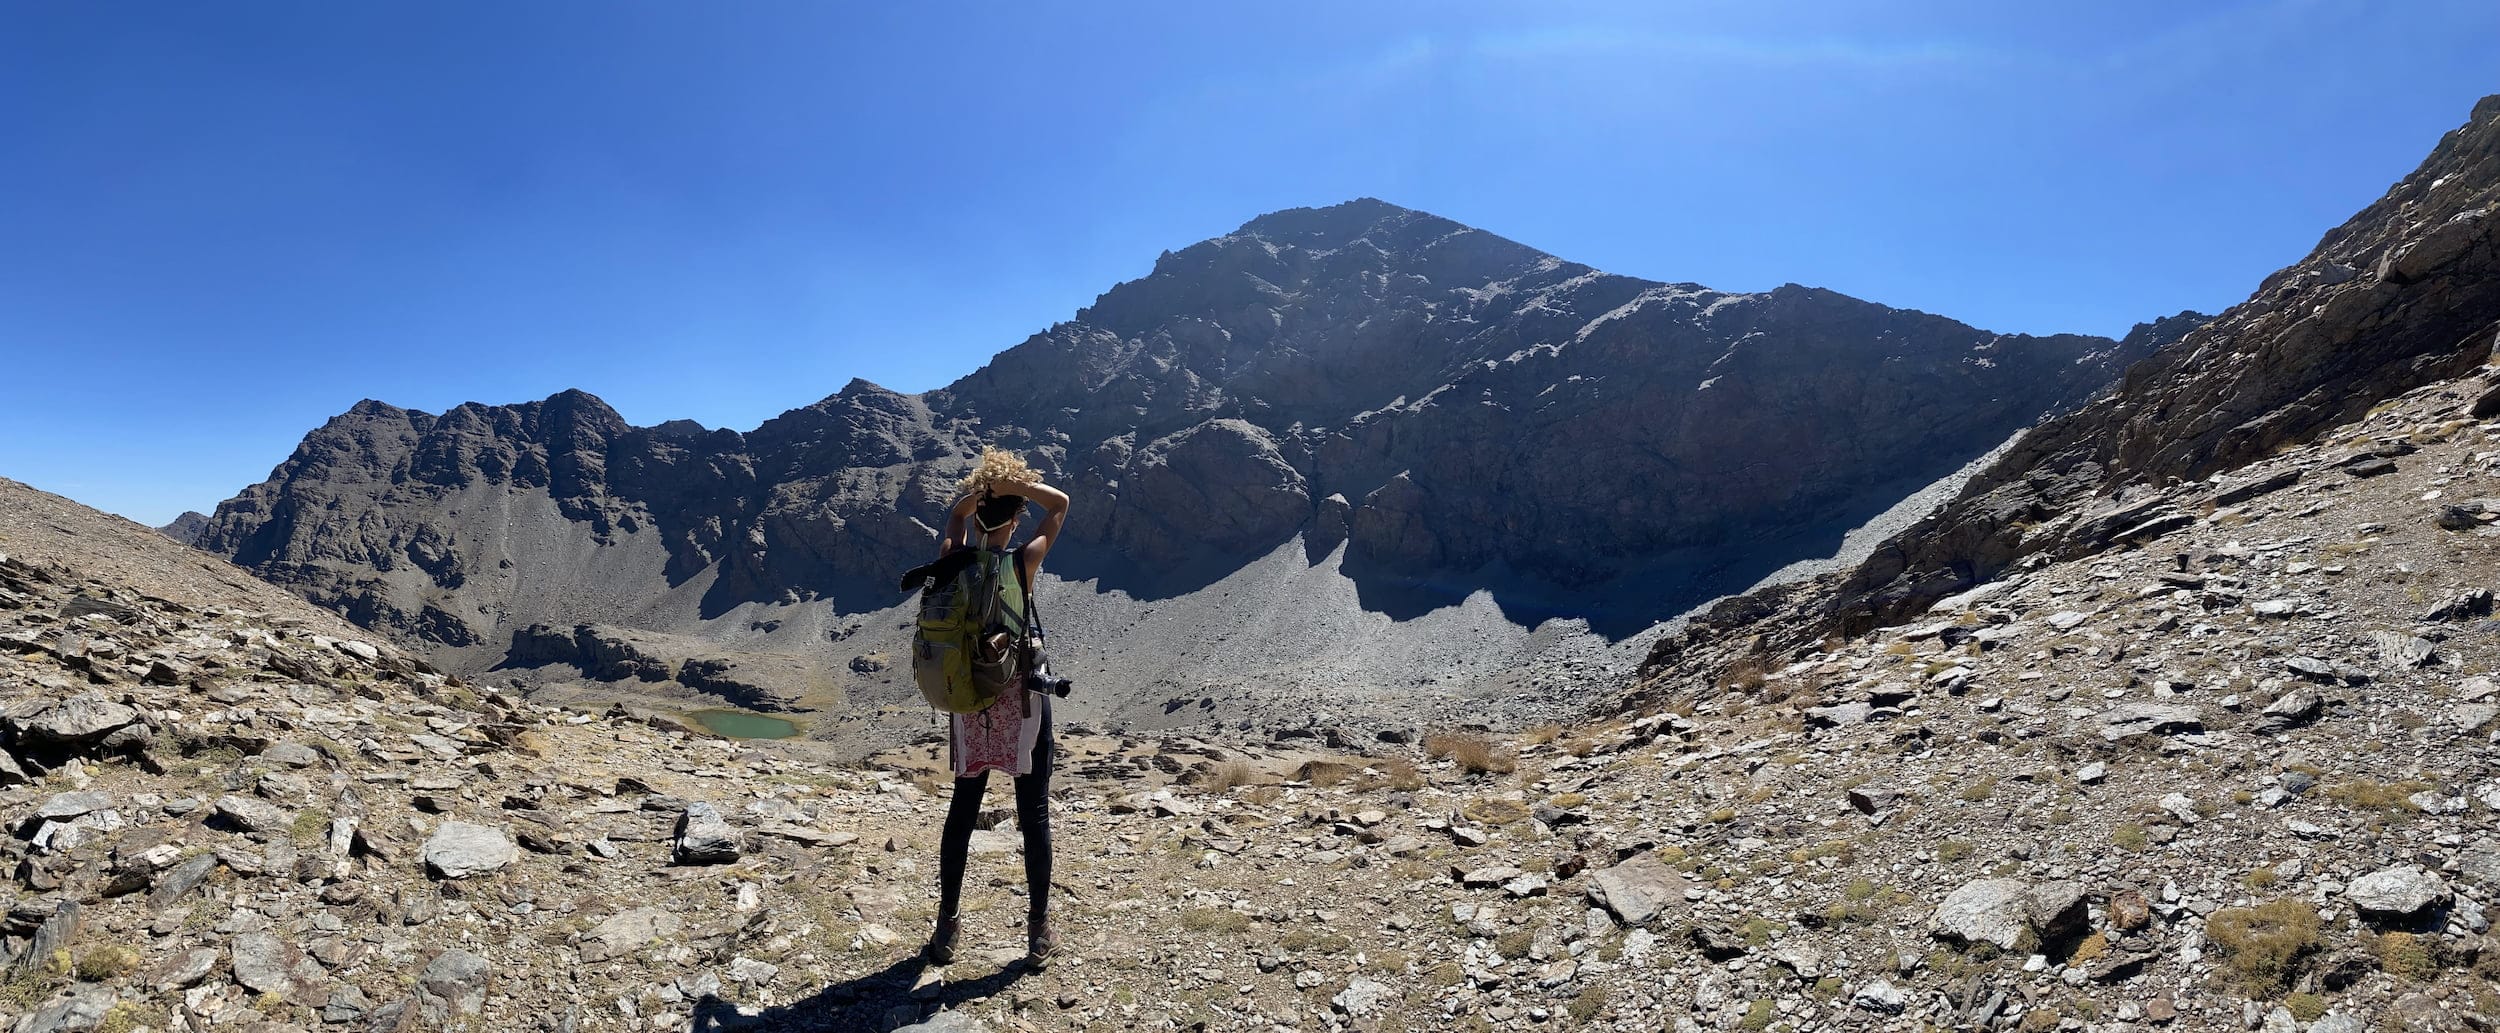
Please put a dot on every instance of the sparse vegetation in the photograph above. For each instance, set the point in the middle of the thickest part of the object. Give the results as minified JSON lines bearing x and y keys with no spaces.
{"x":1396,"y":773}
{"x":1590,"y":1002}
{"x":2406,"y":957}
{"x":1954,"y":850}
{"x":1472,"y":754}
{"x":1326,"y":772}
{"x":1225,"y":777}
{"x":1495,"y":810}
{"x":1215,"y":920}
{"x":2129,"y":837}
{"x":2389,"y":798}
{"x":1515,"y":943}
{"x":105,"y":963}
{"x":2263,"y":946}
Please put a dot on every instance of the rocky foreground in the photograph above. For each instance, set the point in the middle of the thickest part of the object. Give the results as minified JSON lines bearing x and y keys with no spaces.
{"x":2235,"y":772}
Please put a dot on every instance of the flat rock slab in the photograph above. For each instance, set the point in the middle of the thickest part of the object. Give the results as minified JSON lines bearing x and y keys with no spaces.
{"x":995,"y":841}
{"x":625,"y":932}
{"x":2128,"y":720}
{"x":2401,"y":651}
{"x":1637,"y":890}
{"x":459,"y":850}
{"x":78,"y":719}
{"x":259,"y":817}
{"x":71,"y":805}
{"x":946,"y":1022}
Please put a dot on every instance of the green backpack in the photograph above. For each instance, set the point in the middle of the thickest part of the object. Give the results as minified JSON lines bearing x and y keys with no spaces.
{"x":971,"y":647}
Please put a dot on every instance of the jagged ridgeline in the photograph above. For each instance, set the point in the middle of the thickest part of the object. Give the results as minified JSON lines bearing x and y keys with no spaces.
{"x":1455,"y":410}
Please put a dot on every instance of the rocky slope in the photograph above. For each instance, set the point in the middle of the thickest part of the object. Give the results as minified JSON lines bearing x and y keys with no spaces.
{"x":2244,"y":778}
{"x":1426,"y":410}
{"x":2405,"y":293}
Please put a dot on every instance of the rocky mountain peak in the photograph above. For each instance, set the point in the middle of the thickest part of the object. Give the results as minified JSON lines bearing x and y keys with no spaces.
{"x":186,"y":528}
{"x":1426,"y":409}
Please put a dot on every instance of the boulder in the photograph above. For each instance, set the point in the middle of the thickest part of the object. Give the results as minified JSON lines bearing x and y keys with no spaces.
{"x":704,"y":837}
{"x":2012,"y":914}
{"x":63,"y":806}
{"x":1880,"y":997}
{"x":1361,"y":997}
{"x":183,"y":970}
{"x":78,"y":1009}
{"x":454,"y":984}
{"x":2401,"y":893}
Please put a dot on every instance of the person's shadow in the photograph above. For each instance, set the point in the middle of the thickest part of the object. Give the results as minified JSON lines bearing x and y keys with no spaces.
{"x":874,"y":1003}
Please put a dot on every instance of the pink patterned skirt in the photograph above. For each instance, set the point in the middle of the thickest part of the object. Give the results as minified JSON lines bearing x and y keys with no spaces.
{"x":1000,"y":738}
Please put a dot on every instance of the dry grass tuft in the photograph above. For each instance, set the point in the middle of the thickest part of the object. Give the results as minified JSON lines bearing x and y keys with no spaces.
{"x":1226,"y":777}
{"x":1326,"y":772}
{"x":1396,"y":773}
{"x":2406,"y":957}
{"x":1494,"y":810}
{"x":1214,"y":920}
{"x":2392,"y":798}
{"x":2263,"y":946}
{"x":1473,"y":754}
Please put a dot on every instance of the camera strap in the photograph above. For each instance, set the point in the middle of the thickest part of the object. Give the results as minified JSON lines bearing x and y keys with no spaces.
{"x":1032,"y":660}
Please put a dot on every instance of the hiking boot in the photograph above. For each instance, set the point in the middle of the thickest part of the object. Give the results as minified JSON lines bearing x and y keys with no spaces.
{"x":941,"y":948}
{"x":1040,"y":948}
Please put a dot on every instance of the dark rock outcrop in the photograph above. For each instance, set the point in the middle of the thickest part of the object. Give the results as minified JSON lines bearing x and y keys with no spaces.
{"x":186,"y":528}
{"x":2403,"y":294}
{"x":1451,"y":406}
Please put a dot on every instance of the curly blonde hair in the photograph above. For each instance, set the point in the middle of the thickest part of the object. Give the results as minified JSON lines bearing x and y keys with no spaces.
{"x":999,"y":471}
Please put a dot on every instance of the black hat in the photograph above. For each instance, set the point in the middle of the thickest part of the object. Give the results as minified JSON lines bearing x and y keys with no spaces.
{"x":997,"y":511}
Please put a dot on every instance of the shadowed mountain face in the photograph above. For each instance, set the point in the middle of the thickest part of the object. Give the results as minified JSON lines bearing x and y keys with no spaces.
{"x":1456,"y":410}
{"x":2405,"y":293}
{"x":186,"y":528}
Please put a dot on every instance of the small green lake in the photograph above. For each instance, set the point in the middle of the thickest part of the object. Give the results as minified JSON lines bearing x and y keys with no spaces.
{"x":739,"y":724}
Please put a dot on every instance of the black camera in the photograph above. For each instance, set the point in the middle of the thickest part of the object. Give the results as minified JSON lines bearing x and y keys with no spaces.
{"x":1045,"y":682}
{"x":1039,"y":679}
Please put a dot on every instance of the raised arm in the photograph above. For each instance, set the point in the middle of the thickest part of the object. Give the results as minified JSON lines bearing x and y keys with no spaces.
{"x":955,"y":519}
{"x":1054,"y":505}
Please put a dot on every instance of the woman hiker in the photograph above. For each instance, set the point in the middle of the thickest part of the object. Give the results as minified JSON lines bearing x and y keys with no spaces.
{"x":1014,"y":734}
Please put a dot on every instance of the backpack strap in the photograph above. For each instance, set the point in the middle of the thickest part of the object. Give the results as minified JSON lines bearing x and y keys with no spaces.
{"x":1032,"y":618}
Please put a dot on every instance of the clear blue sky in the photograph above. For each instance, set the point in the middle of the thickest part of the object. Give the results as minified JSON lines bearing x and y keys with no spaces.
{"x":221,"y":223}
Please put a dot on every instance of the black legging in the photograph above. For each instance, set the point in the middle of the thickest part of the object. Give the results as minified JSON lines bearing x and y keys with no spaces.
{"x":1032,"y":815}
